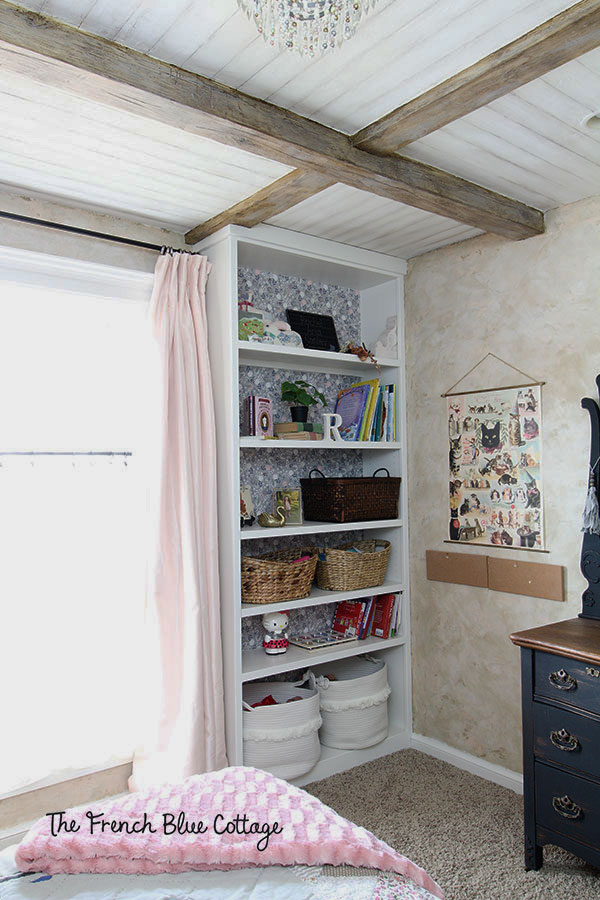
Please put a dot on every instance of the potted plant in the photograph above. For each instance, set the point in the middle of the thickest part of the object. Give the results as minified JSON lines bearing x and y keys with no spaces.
{"x":300,"y":395}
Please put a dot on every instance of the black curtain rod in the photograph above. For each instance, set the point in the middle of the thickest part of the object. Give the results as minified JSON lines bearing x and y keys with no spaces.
{"x":85,"y":231}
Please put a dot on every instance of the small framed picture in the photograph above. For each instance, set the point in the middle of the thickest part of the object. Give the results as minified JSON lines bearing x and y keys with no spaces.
{"x":246,"y":506}
{"x":290,"y":499}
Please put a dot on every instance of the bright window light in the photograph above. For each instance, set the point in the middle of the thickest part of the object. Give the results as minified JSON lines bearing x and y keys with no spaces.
{"x":75,"y":376}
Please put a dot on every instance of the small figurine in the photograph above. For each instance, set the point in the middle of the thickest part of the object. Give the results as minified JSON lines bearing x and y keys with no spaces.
{"x":276,"y":639}
{"x":268,"y":520}
{"x":386,"y":344}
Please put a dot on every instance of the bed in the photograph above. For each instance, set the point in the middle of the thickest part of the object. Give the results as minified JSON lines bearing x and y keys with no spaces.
{"x":269,"y":883}
{"x":234,"y":834}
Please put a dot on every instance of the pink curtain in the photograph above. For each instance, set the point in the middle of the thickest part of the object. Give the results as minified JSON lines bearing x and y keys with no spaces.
{"x":187,"y":732}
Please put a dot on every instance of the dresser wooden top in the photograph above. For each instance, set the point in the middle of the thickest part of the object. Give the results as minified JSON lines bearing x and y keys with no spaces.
{"x":576,"y":638}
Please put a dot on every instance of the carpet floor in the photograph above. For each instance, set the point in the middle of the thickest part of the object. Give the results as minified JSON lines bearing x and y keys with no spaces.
{"x":465,"y":831}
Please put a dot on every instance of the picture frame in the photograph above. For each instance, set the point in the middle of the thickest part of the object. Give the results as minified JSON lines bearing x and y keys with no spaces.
{"x":316,"y":330}
{"x":291,"y":500}
{"x":247,"y":516}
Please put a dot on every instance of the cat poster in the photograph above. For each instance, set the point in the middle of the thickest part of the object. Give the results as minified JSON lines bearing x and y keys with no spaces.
{"x":495,"y":468}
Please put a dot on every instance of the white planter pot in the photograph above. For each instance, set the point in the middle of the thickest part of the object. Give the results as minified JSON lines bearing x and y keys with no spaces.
{"x":354,"y":705}
{"x":282,"y":739}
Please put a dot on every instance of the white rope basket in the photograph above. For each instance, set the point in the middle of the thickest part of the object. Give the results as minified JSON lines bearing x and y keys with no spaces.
{"x":282,"y":739}
{"x":354,"y":705}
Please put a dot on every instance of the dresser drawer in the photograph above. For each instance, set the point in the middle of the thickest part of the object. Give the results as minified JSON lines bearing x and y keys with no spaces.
{"x":566,"y":738}
{"x":567,"y":680}
{"x":567,"y":804}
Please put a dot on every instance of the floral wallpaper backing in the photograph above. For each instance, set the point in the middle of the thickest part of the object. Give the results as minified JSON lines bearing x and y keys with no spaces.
{"x":276,"y":293}
{"x":266,"y":470}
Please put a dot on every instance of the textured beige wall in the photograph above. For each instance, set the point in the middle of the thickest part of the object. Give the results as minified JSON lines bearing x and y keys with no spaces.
{"x":535,"y":303}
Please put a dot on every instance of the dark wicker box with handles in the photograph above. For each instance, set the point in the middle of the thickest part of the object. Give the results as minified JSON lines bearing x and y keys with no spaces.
{"x":350,"y":499}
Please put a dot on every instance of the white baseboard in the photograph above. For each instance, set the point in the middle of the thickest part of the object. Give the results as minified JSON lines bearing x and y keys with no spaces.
{"x":469,"y":763}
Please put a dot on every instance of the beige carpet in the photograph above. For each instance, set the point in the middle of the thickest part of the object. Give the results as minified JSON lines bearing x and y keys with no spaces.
{"x":466,"y":832}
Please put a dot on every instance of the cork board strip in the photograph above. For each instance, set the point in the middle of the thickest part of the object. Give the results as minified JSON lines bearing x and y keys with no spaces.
{"x":457,"y":568}
{"x":507,"y":575}
{"x":530,"y":579}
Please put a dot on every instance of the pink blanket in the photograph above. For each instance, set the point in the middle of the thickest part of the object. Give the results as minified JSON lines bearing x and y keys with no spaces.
{"x":229,"y":819}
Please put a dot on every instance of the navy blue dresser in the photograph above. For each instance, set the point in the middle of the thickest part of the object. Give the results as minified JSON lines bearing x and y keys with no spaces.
{"x":560,"y":666}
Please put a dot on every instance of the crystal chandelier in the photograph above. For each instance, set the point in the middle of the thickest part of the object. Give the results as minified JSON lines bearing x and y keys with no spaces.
{"x":308,"y":26}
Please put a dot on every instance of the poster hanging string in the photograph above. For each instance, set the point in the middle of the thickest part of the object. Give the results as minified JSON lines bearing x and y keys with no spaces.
{"x":452,"y":393}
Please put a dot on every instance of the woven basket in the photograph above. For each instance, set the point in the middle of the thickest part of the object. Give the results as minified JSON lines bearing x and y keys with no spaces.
{"x":350,"y":499}
{"x":353,"y":702}
{"x":276,"y":577}
{"x":283,"y":739}
{"x":340,"y":569}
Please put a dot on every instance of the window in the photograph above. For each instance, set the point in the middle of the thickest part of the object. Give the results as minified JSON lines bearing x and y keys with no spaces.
{"x":76,"y":387}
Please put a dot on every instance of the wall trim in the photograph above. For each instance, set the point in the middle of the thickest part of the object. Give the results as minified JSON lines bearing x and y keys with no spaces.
{"x":468,"y":763}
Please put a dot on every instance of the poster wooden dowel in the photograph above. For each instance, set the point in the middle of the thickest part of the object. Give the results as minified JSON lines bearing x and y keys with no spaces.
{"x":508,"y":387}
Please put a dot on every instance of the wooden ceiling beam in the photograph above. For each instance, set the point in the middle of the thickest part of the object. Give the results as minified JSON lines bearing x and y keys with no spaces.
{"x":294,"y":187}
{"x":553,"y":43}
{"x":90,"y":66}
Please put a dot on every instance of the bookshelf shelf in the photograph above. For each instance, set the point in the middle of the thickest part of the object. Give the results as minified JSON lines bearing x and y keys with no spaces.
{"x":257,"y":531}
{"x":376,"y":285}
{"x":262,"y":443}
{"x":277,"y":357}
{"x":256,"y":663}
{"x":319,"y":597}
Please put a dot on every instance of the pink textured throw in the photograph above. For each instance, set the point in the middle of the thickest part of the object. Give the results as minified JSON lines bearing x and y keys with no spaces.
{"x":248,"y":818}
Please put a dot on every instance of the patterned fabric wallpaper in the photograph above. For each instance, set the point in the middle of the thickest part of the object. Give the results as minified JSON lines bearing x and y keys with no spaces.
{"x":276,"y":293}
{"x":266,"y":470}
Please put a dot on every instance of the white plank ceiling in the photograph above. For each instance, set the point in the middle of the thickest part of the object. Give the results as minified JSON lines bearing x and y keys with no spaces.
{"x":530,"y":145}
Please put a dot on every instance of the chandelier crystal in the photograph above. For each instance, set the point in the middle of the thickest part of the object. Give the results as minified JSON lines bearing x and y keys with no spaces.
{"x":310,"y":27}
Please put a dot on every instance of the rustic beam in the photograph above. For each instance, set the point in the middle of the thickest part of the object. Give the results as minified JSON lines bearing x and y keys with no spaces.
{"x":553,"y":43}
{"x":90,"y":66}
{"x":271,"y":200}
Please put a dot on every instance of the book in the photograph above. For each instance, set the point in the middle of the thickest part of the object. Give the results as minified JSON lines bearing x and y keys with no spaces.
{"x":367,"y":618}
{"x":348,"y":617}
{"x":367,"y":420}
{"x":396,"y":616}
{"x":284,"y":427}
{"x":350,"y":405}
{"x":258,"y":416}
{"x":300,"y":436}
{"x":384,"y":605}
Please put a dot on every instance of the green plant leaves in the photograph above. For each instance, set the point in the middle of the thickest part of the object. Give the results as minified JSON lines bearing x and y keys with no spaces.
{"x":301,"y":392}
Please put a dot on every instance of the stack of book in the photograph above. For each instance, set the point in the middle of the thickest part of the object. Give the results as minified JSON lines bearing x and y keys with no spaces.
{"x":368,"y":411}
{"x":299,"y":431}
{"x":371,"y":617}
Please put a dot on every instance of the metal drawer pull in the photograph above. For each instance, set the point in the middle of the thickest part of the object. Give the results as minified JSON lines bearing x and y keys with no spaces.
{"x":595,"y":673}
{"x":563,"y":740}
{"x":562,"y":680}
{"x":565,"y":807}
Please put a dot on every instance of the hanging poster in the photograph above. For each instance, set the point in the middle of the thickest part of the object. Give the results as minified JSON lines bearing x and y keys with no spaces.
{"x":495,"y":461}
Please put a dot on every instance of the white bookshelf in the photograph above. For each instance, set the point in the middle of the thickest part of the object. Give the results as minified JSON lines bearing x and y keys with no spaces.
{"x":318,"y":597}
{"x":290,"y":444}
{"x":379,"y":281}
{"x":251,"y":532}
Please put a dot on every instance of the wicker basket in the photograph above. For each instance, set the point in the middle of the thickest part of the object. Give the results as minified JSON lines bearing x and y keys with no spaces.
{"x":341,"y":569}
{"x":350,"y":499}
{"x":276,"y":577}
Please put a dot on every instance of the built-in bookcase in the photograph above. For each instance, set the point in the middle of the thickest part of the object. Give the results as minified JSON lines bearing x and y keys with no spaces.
{"x":378,"y":281}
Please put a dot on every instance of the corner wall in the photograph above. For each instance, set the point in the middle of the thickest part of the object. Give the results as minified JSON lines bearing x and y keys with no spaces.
{"x":535,"y":303}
